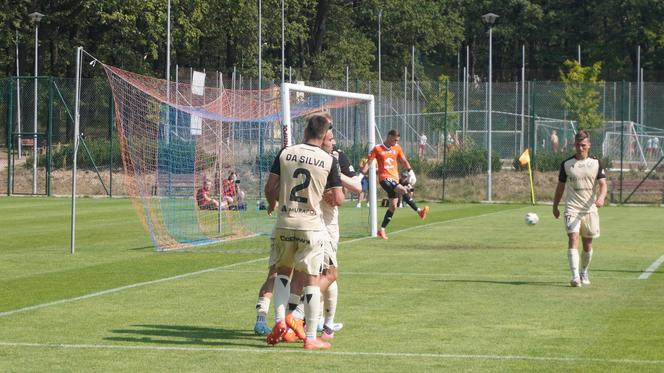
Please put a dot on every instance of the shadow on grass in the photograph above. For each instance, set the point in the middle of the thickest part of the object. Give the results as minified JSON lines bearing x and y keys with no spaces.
{"x":186,"y":335}
{"x":140,"y":248}
{"x":514,"y":283}
{"x":617,"y":270}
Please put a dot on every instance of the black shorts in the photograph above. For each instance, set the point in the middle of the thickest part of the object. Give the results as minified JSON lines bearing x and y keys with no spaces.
{"x":389,"y":186}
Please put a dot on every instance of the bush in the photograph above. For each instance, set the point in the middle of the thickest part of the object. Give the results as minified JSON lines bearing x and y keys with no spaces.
{"x":264,"y":162}
{"x":62,"y":156}
{"x":469,"y":161}
{"x":355,"y":153}
{"x":423,"y":166}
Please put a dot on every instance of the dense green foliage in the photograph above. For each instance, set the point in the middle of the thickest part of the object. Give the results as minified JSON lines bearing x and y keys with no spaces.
{"x":322,"y":37}
{"x":92,"y":152}
{"x":582,"y":94}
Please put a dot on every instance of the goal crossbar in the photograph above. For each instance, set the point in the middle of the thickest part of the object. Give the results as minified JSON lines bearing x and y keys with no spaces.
{"x":288,"y":88}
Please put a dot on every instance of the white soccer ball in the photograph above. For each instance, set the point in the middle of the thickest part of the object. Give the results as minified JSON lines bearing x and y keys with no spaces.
{"x":532,"y":218}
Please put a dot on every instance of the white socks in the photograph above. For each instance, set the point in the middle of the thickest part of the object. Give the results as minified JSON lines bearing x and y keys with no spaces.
{"x":281,"y":293}
{"x":311,"y":309}
{"x":573,"y":259}
{"x":586,"y":257}
{"x":331,"y":303}
{"x":262,"y":307}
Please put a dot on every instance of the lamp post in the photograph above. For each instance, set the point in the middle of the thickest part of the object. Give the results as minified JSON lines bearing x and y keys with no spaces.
{"x":489,"y":19}
{"x":36,"y":18}
{"x":380,"y":77}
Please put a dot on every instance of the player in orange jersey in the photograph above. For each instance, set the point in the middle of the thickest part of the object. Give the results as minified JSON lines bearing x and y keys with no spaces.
{"x":388,"y":155}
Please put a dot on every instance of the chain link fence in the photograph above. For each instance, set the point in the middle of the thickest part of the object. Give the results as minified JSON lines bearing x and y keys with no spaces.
{"x":444,"y":130}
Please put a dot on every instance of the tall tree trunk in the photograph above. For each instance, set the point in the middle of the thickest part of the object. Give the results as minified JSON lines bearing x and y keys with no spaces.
{"x":318,"y":34}
{"x":318,"y":29}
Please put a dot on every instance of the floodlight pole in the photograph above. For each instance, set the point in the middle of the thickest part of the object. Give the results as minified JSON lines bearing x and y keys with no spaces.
{"x":380,"y":15}
{"x":523,"y":93}
{"x":283,"y":42}
{"x":489,"y":19}
{"x":167,"y":127}
{"x":36,"y":18}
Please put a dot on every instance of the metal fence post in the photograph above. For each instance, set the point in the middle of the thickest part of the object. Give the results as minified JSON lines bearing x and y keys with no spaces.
{"x":531,"y":131}
{"x":445,"y":136}
{"x":622,"y":138}
{"x":10,"y":142}
{"x":111,"y":119}
{"x":49,"y":137}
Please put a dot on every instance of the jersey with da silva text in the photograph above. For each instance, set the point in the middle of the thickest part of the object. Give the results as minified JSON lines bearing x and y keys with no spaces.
{"x":580,"y":178}
{"x":305,"y":172}
{"x":331,"y":213}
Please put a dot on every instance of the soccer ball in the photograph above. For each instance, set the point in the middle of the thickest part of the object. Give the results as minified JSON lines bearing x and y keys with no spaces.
{"x":531,"y":218}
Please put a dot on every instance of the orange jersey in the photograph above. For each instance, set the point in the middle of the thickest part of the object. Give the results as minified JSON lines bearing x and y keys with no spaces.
{"x":387,"y":159}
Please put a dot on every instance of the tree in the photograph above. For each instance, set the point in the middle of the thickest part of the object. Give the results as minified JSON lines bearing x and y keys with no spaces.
{"x":437,"y":104}
{"x":581,"y":96}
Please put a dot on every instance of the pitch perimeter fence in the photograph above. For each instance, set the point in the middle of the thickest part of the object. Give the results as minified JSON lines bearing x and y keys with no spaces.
{"x":444,"y":130}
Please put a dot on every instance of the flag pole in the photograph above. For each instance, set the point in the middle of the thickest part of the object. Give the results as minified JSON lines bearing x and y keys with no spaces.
{"x":523,"y":159}
{"x":532,"y":189}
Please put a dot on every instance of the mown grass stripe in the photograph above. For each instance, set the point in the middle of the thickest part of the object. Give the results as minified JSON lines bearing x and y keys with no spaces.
{"x":184,"y":275}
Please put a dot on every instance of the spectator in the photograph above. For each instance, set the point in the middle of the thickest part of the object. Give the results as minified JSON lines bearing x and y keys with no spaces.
{"x":422,"y":145}
{"x":205,"y":202}
{"x":554,"y":141}
{"x":232,"y":187}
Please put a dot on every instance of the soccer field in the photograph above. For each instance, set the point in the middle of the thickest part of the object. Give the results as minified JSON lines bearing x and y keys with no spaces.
{"x":472,"y":288}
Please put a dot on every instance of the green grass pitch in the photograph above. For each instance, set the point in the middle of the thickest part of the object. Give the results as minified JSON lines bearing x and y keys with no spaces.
{"x":471,"y":288}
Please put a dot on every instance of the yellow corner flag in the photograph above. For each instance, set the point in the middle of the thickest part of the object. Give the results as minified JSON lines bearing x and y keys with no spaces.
{"x":524,"y":159}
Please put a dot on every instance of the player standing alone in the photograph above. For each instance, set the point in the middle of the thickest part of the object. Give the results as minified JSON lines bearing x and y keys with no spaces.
{"x":579,"y":176}
{"x":298,"y":178}
{"x":388,"y":155}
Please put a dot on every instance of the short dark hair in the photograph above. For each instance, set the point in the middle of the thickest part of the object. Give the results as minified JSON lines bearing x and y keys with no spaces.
{"x":317,"y":125}
{"x":581,"y":135}
{"x":394,"y":133}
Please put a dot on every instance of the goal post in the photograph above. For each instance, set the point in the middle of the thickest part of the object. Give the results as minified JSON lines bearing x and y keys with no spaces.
{"x":288,"y":112}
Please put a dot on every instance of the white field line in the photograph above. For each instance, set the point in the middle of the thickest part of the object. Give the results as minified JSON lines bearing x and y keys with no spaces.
{"x":653,"y":267}
{"x":115,"y":290}
{"x":184,"y":275}
{"x":446,"y":275}
{"x":268,"y":350}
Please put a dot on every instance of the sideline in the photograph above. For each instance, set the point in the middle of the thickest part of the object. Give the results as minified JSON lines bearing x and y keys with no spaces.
{"x":452,"y":276}
{"x":269,"y":350}
{"x":184,"y":275}
{"x":653,"y":267}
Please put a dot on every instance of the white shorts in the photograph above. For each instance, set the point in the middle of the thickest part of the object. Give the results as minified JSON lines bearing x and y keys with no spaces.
{"x":330,"y":252}
{"x":301,"y":250}
{"x":586,"y":224}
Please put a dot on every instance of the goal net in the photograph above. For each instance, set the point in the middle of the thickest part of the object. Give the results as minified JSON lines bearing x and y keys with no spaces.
{"x":196,"y":158}
{"x":641,"y":146}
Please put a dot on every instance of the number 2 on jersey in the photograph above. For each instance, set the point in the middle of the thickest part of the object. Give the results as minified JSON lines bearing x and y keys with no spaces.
{"x":304,"y":185}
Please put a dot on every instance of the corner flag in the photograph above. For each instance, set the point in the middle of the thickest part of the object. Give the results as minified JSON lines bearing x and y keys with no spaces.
{"x":524,"y":159}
